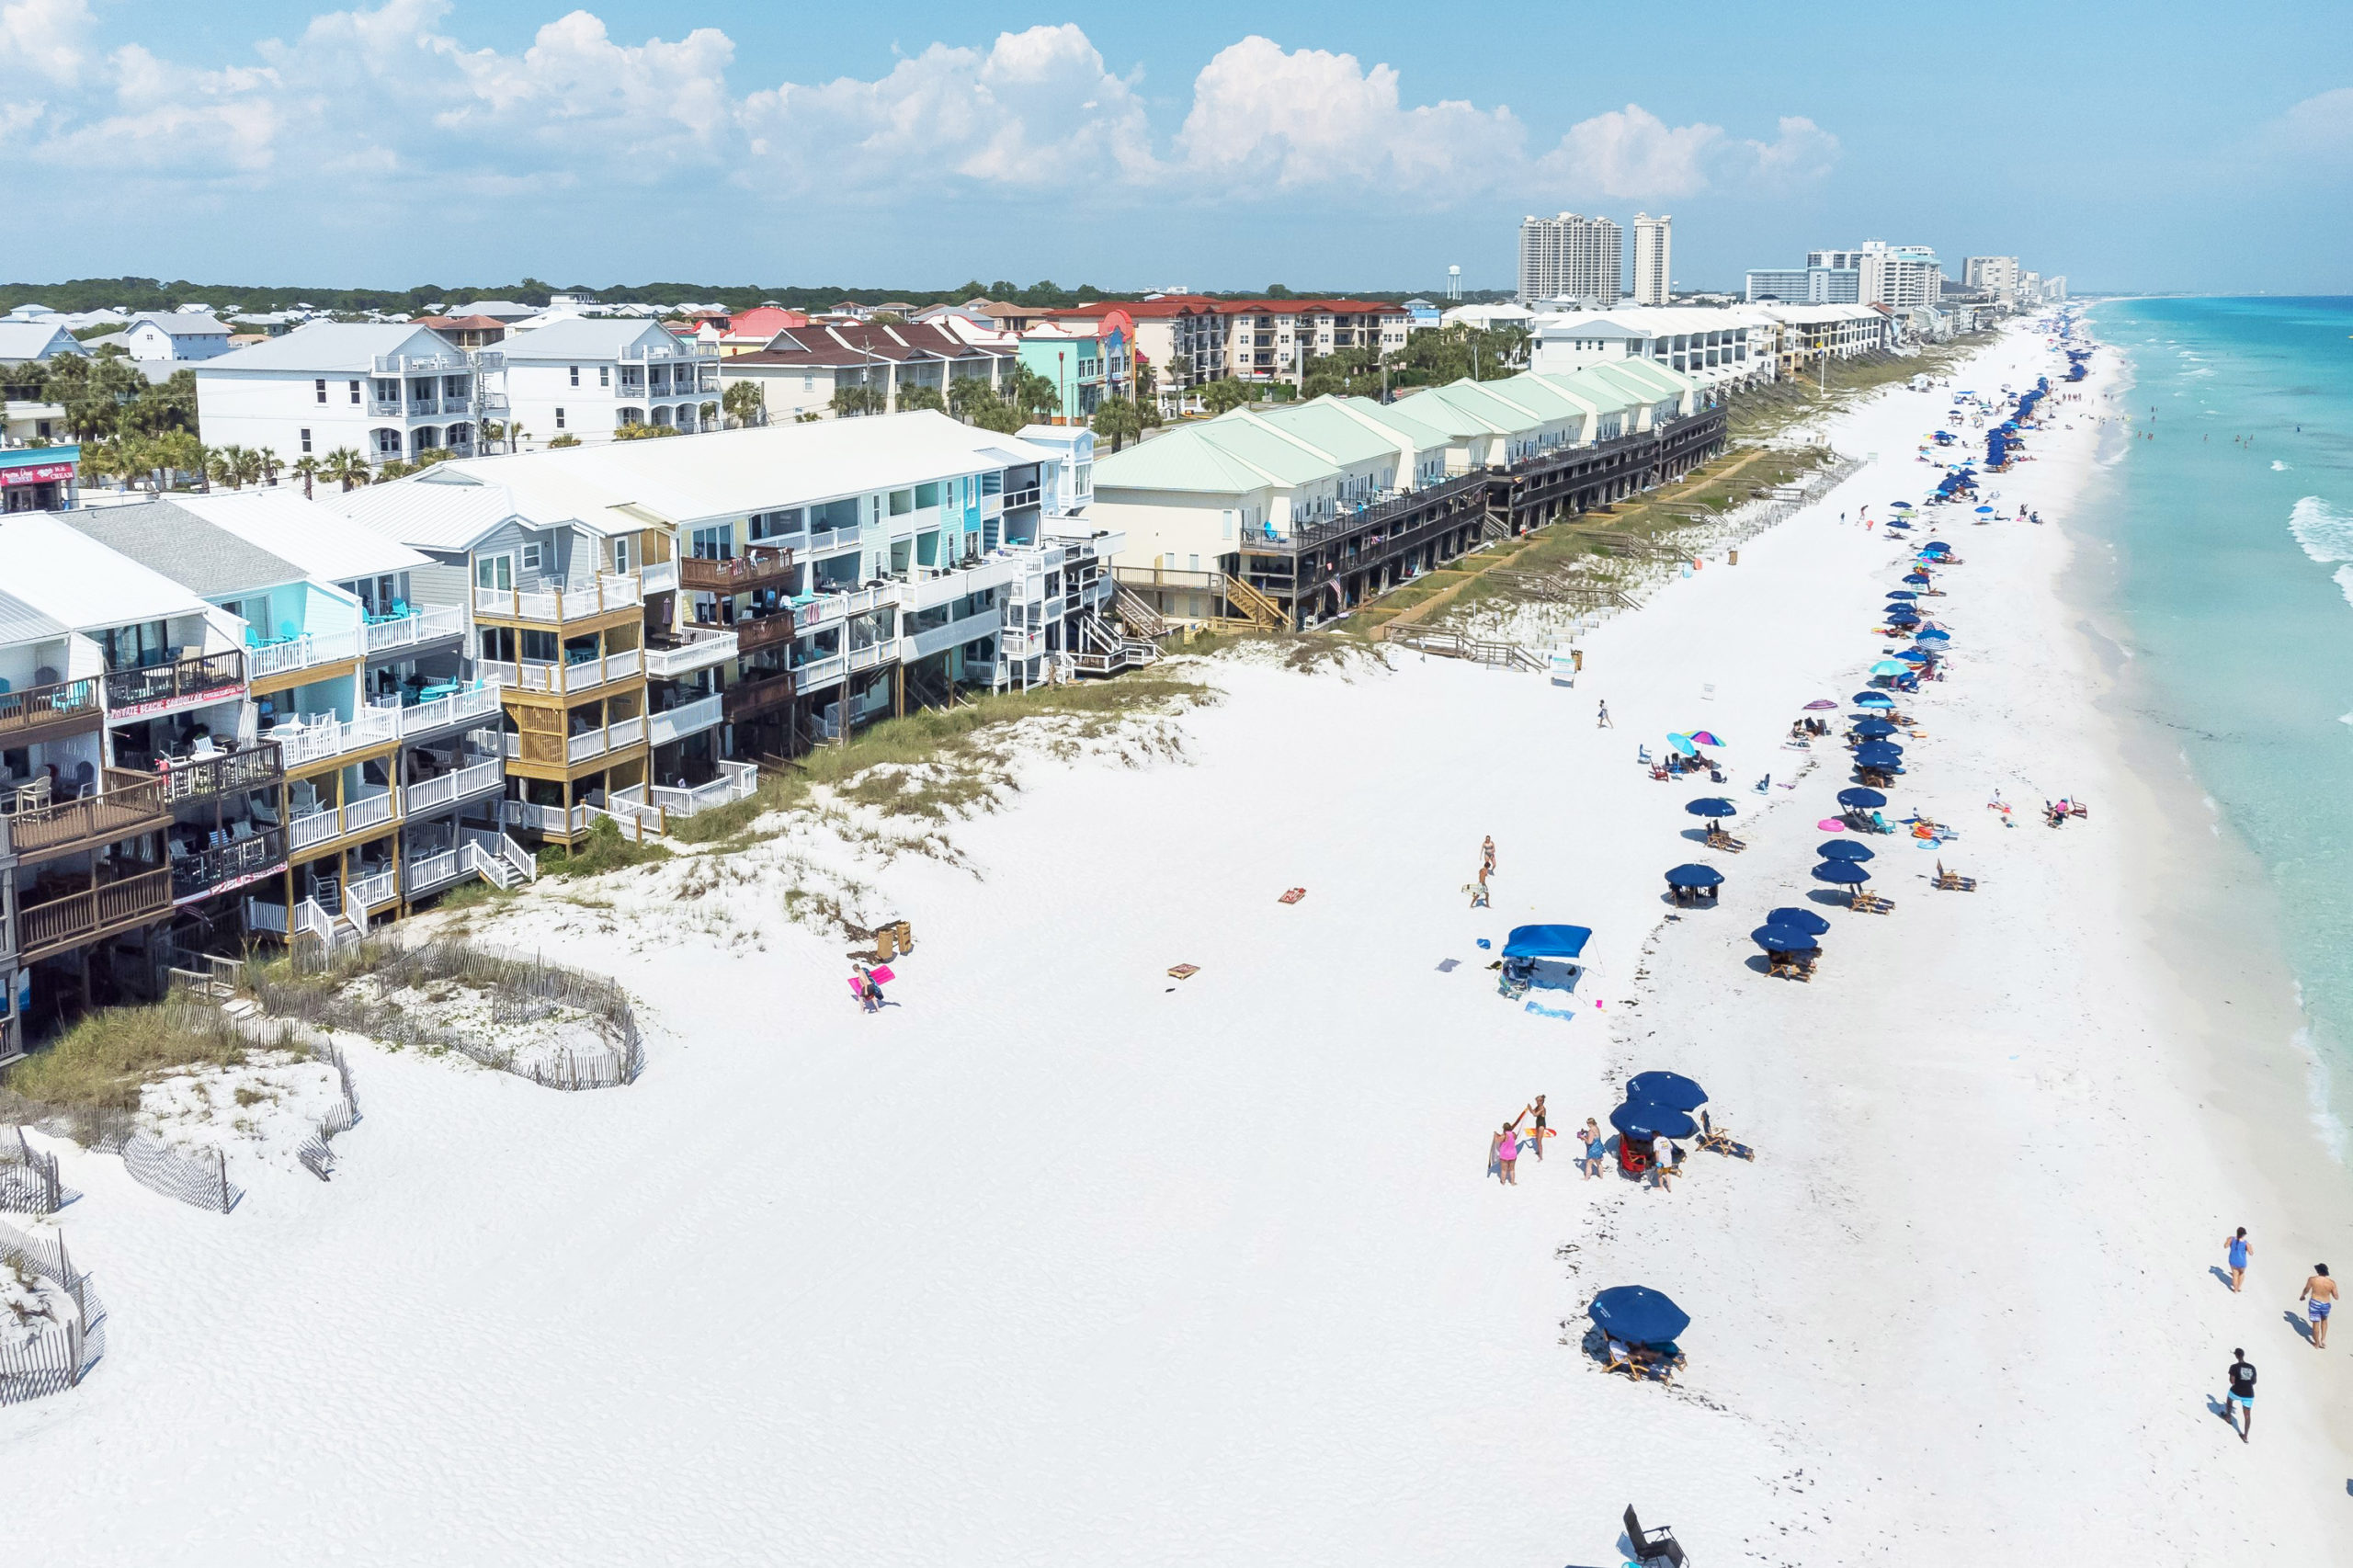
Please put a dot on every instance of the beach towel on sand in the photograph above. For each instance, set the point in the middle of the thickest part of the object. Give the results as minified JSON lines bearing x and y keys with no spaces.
{"x":1543,"y":1011}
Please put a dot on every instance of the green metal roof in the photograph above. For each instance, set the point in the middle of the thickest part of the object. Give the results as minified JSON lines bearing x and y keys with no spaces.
{"x":1400,"y":418}
{"x":1184,"y":458}
{"x":1329,"y":430}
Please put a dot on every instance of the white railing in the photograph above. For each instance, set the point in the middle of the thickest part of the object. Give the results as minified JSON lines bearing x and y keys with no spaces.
{"x":659,"y":576}
{"x":701,"y":651}
{"x":577,"y":676}
{"x":262,"y":915}
{"x":428,"y":871}
{"x":371,"y":892}
{"x":433,"y":793}
{"x":370,"y":810}
{"x":312,"y":827}
{"x":736,"y":781}
{"x":818,"y":673}
{"x":686,"y":718}
{"x":489,"y":867}
{"x":300,"y":653}
{"x":580,"y":748}
{"x":611,"y":593}
{"x":834,"y":607}
{"x":625,"y":732}
{"x":457,"y":708}
{"x":329,"y":737}
{"x":866,"y":658}
{"x":417,"y":626}
{"x":554,"y":819}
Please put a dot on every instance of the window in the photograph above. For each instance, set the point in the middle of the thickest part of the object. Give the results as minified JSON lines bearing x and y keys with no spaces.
{"x":531,"y":558}
{"x":576,"y":375}
{"x":808,"y":383}
{"x":354,"y":392}
{"x":604,"y":375}
{"x":621,"y":555}
{"x":494,"y":572}
{"x":558,"y":419}
{"x":927,"y":496}
{"x":901,"y":503}
{"x":306,"y":429}
{"x":320,"y":387}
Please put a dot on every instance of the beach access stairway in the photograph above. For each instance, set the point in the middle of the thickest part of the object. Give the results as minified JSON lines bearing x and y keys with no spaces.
{"x":1454,"y":645}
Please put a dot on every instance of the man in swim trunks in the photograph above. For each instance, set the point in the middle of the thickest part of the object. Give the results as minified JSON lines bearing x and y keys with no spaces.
{"x":2240,"y":1406}
{"x":2318,"y":1296}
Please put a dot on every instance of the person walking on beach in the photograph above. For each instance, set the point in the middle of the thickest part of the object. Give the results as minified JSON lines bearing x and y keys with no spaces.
{"x":1508,"y":1154}
{"x":1601,"y":719}
{"x":2240,"y":1406}
{"x":1479,"y":891}
{"x":2237,"y":1250}
{"x":2319,"y":1295}
{"x":1487,"y":853}
{"x":1595,"y":1147}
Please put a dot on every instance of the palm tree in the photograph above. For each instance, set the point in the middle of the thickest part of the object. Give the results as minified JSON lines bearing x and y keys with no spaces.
{"x":249,"y":464}
{"x":744,"y":403}
{"x":345,"y":467}
{"x":218,"y":468}
{"x":1117,"y":417}
{"x":919,"y":396}
{"x":268,"y":463}
{"x":857,"y":398}
{"x":309,"y":469}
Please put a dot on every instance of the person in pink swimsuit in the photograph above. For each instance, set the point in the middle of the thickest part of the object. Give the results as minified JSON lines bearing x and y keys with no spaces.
{"x":1508,"y":1154}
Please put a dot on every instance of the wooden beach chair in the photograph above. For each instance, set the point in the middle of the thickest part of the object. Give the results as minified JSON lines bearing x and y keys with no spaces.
{"x":1659,"y":1361}
{"x":1719,"y":839}
{"x":1870,"y":903}
{"x":1183,"y":971}
{"x":1953,"y":882}
{"x":1713,"y":1137}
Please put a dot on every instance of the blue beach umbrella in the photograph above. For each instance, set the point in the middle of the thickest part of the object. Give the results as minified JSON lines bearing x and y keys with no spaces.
{"x":1844,"y":871}
{"x":1902,"y":594}
{"x":1899,"y":506}
{"x":1683,"y":743}
{"x":1694,"y":876}
{"x":1934,"y":634}
{"x":1985,"y":511}
{"x":1917,"y":656}
{"x":1919,"y":577}
{"x":1844,"y":849}
{"x":1874,"y":728}
{"x":1862,"y":799}
{"x":1873,"y":699}
{"x":1711,"y":806}
{"x":1636,"y":1314}
{"x":1879,"y":753}
{"x":1643,"y":1122}
{"x":1672,"y":1090}
{"x":1783,"y":939}
{"x":1888,"y":667}
{"x":1936,"y":546}
{"x":1797,"y":919}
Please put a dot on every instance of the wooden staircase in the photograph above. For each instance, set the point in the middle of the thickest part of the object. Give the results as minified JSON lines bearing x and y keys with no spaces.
{"x":1139,"y":615}
{"x":1453,"y":645}
{"x":1263,"y":612}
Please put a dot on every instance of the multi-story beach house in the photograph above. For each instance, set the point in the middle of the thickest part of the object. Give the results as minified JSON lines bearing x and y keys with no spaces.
{"x":1083,"y":358}
{"x":1289,"y":516}
{"x":390,"y":391}
{"x":591,"y":377}
{"x":170,"y":335}
{"x":659,"y":616}
{"x":1712,"y":345}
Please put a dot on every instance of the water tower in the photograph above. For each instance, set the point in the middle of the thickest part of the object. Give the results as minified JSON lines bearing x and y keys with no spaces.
{"x":1454,"y":283}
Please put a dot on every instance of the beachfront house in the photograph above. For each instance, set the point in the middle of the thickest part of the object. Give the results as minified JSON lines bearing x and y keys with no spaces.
{"x":801,"y":367}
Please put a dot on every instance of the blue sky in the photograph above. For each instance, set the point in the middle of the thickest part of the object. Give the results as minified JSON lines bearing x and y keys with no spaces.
{"x":1212,"y":145}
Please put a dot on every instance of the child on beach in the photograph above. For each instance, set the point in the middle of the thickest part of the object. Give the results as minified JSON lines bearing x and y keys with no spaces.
{"x":1538,"y":1134}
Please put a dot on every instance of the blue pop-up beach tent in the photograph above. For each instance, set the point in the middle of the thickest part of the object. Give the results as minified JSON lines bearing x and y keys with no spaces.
{"x":1546,"y":941}
{"x":1547,"y":957}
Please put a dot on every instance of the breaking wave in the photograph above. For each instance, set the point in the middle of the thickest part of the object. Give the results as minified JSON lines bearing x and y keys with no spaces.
{"x":2326,"y":533}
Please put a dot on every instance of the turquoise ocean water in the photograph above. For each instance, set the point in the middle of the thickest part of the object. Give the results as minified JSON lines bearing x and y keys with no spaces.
{"x":2235,"y":584}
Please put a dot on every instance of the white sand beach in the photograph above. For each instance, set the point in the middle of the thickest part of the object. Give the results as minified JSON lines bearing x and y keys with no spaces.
{"x":1059,"y":1260}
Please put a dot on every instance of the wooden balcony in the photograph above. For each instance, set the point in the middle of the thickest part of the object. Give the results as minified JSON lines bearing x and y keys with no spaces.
{"x":765,"y":631}
{"x":255,"y":766}
{"x":761,"y":566}
{"x":130,"y":803}
{"x":76,"y":919}
{"x":760,"y":694}
{"x":48,"y":712}
{"x":156,"y":688}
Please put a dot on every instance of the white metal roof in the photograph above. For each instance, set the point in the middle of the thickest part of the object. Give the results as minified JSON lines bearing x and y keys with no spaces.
{"x":441,"y":515}
{"x":343,"y":347}
{"x":588,"y":338}
{"x":20,"y":623}
{"x":728,"y":474}
{"x":327,"y":546}
{"x":73,"y":578}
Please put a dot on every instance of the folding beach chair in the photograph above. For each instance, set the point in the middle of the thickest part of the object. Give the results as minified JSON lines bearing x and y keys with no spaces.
{"x":1653,"y":1546}
{"x":1713,"y":1137}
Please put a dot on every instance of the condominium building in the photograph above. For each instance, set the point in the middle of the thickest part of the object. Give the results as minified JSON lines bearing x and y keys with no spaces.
{"x":1806,"y":285}
{"x":1899,"y":276}
{"x":801,"y":367}
{"x":1711,"y":346}
{"x":1277,"y":339}
{"x":1288,"y":516}
{"x":1654,"y":249}
{"x":1996,"y":275}
{"x":1838,"y":260}
{"x":1571,"y":257}
{"x":389,"y":392}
